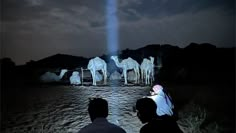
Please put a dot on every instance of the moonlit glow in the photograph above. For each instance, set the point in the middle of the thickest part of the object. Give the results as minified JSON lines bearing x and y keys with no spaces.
{"x":112,"y":44}
{"x":111,"y":26}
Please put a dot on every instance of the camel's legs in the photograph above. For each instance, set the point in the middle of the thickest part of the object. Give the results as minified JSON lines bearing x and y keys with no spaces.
{"x":94,"y":77}
{"x":105,"y":76}
{"x":125,"y":76}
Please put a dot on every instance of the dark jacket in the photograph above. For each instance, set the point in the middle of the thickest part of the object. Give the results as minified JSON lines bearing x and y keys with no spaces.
{"x":157,"y":125}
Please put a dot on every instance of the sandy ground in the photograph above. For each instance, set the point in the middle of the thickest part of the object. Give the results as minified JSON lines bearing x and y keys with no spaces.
{"x":63,"y":108}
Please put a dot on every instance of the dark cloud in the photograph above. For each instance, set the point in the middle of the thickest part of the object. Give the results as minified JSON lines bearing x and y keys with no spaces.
{"x":160,"y":8}
{"x":211,"y":26}
{"x":15,"y":10}
{"x":34,"y":29}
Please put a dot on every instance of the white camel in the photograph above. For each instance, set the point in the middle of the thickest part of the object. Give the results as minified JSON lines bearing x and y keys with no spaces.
{"x":96,"y":64}
{"x":52,"y":77}
{"x":147,"y":70}
{"x":127,"y":64}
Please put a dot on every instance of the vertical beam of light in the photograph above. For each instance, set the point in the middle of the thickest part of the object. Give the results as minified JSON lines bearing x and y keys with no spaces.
{"x":111,"y":26}
{"x":112,"y":47}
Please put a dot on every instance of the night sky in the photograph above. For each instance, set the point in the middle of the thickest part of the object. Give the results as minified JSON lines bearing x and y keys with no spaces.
{"x":35,"y":29}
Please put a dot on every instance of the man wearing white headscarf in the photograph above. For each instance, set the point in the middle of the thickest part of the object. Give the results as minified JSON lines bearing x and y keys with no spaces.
{"x":164,"y":104}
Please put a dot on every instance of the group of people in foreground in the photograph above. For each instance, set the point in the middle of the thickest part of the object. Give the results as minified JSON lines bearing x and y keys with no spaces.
{"x":155,"y":111}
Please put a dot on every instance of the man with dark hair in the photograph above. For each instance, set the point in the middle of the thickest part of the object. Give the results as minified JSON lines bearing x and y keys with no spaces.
{"x":98,"y":111}
{"x":146,"y":112}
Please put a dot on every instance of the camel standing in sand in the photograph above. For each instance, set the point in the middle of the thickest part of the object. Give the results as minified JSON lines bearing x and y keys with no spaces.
{"x":128,"y":64}
{"x":96,"y":64}
{"x":52,"y":77}
{"x":147,"y":70}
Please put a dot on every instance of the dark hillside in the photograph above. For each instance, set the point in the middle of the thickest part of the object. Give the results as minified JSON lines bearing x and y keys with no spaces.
{"x":196,"y":63}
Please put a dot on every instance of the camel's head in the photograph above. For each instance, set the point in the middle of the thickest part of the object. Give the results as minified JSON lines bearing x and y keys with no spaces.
{"x":64,"y":70}
{"x":152,"y":59}
{"x":114,"y":57}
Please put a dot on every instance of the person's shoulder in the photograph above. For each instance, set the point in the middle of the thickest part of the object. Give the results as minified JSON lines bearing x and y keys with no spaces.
{"x":152,"y":126}
{"x":161,"y":126}
{"x":85,"y":129}
{"x":149,"y":128}
{"x":116,"y":128}
{"x":108,"y":127}
{"x":120,"y":130}
{"x":171,"y":125}
{"x":144,"y":129}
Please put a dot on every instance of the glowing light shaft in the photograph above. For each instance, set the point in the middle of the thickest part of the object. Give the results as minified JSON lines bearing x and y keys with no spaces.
{"x":112,"y":26}
{"x":112,"y":45}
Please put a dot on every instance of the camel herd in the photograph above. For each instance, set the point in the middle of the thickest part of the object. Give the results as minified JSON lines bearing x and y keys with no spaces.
{"x":97,"y":64}
{"x":146,"y":67}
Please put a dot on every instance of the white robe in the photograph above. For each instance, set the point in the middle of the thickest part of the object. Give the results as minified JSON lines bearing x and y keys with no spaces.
{"x":164,"y":105}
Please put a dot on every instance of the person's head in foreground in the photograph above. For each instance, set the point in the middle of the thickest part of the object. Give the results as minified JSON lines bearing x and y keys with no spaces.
{"x":98,"y":111}
{"x":98,"y":107}
{"x":146,"y":109}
